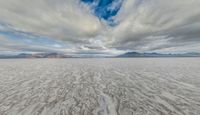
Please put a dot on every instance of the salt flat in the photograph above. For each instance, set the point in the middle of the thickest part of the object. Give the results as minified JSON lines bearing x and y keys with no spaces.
{"x":138,"y":86}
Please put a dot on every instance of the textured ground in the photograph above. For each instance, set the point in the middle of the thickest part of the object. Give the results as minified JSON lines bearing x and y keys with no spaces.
{"x":139,"y":86}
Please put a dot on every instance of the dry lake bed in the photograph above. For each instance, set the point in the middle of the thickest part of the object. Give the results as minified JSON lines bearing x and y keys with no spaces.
{"x":129,"y":86}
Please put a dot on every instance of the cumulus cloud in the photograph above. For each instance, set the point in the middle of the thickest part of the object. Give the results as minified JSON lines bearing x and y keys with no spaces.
{"x":147,"y":25}
{"x":139,"y":25}
{"x":61,"y":19}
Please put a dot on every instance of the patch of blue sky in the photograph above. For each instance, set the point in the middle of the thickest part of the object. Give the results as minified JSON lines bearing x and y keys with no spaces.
{"x":105,"y":9}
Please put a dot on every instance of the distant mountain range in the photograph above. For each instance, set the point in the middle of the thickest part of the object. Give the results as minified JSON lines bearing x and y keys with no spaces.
{"x":36,"y":55}
{"x":137,"y":54}
{"x":125,"y":55}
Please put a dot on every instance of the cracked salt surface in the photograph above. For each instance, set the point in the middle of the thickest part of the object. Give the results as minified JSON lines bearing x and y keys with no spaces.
{"x":138,"y":86}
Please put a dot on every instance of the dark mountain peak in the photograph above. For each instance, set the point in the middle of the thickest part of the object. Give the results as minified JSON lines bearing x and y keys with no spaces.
{"x":154,"y":54}
{"x":37,"y":55}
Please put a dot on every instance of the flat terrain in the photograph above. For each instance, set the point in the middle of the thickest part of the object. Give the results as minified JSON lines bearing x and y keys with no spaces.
{"x":138,"y":86}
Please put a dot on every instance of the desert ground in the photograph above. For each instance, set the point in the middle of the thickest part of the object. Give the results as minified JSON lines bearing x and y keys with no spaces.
{"x":103,"y":86}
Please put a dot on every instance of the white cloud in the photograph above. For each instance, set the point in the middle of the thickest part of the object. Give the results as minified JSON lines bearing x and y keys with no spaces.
{"x":138,"y":20}
{"x":60,"y":19}
{"x":143,"y":25}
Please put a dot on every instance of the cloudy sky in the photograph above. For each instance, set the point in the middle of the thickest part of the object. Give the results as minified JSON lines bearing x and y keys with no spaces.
{"x":105,"y":27}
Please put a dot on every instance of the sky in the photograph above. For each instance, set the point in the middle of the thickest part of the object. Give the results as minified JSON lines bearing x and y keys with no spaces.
{"x":99,"y":27}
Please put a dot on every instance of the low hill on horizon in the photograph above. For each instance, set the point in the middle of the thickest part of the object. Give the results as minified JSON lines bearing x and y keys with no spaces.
{"x":137,"y":54}
{"x":125,"y":55}
{"x":35,"y":55}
